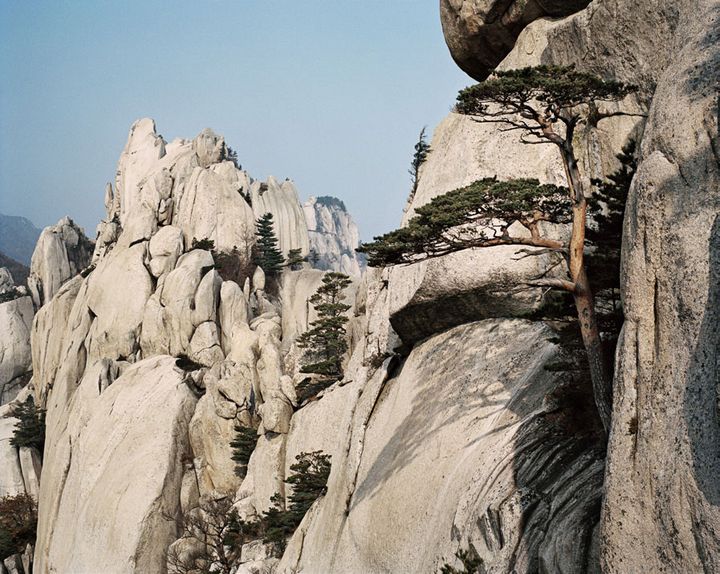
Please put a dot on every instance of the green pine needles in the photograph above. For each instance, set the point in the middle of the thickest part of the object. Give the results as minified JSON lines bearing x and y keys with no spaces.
{"x":30,"y":428}
{"x":554,"y":88}
{"x":243,"y":446}
{"x":325,"y":343}
{"x":269,"y":257}
{"x":467,"y":217}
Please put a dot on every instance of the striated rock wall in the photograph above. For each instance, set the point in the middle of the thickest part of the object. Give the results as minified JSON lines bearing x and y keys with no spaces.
{"x":333,"y":236}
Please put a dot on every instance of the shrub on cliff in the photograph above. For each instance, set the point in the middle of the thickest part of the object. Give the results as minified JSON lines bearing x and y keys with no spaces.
{"x":545,"y":104}
{"x":243,"y":446}
{"x":18,"y":523}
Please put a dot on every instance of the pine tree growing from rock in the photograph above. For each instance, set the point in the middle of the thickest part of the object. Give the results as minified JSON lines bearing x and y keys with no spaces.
{"x":422,"y":149}
{"x":325,"y":343}
{"x":269,"y":257}
{"x":545,"y":104}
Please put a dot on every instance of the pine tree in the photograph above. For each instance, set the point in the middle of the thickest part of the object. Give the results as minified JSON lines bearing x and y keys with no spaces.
{"x":545,"y":104}
{"x":269,"y":256}
{"x":422,"y":148}
{"x":243,"y":446}
{"x":325,"y":342}
{"x":30,"y":428}
{"x":295,"y":259}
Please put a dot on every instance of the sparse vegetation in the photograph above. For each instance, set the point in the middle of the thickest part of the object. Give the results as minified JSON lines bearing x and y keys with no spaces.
{"x":243,"y":446}
{"x":30,"y":429}
{"x":12,"y":294}
{"x":422,"y":149}
{"x":471,"y":563}
{"x":205,"y":243}
{"x":18,"y":523}
{"x":325,"y":343}
{"x":295,"y":259}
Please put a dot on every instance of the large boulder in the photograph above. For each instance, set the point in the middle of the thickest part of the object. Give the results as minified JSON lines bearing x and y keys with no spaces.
{"x":114,"y":472}
{"x":281,"y":199}
{"x":480,"y":33}
{"x":436,"y":294}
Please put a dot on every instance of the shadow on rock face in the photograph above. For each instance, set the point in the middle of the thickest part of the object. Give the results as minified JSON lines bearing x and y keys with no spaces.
{"x":703,"y":384}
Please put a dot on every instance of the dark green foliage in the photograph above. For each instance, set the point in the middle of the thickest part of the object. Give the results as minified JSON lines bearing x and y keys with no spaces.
{"x":7,"y":548}
{"x":187,"y":364}
{"x":11,"y":294}
{"x":313,"y":258}
{"x":325,"y":342}
{"x":471,"y":563}
{"x":18,"y":523}
{"x":309,"y":480}
{"x":206,"y":244}
{"x":269,"y":256}
{"x":243,"y":446}
{"x":557,"y":87}
{"x":422,"y":148}
{"x":30,"y":428}
{"x":330,"y":201}
{"x":436,"y":229}
{"x":295,"y":259}
{"x":231,"y":155}
{"x":606,"y":207}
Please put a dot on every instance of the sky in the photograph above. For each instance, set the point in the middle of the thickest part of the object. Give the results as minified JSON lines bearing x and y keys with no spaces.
{"x":330,"y":93}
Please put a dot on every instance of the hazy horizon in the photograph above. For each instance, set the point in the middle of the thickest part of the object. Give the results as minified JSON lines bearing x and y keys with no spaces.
{"x":329,"y":94}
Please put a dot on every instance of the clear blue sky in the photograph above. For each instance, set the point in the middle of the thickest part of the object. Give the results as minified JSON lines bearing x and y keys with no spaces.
{"x":331,"y":93}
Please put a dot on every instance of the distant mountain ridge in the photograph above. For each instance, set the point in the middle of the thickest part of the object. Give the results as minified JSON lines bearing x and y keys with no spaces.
{"x":18,"y":237}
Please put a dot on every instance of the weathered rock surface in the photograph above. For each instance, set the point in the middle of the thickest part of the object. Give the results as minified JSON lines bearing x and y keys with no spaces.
{"x":662,"y":509}
{"x":493,"y":464}
{"x":333,"y":236}
{"x":62,"y":251}
{"x":16,"y":318}
{"x":86,"y":483}
{"x":480,"y":33}
{"x":436,"y":294}
{"x":281,"y":199}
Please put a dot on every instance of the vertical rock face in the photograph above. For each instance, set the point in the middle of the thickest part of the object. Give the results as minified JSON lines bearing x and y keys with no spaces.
{"x":16,"y":316}
{"x":663,"y":490}
{"x":333,"y":236}
{"x":62,"y":251}
{"x":88,"y":472}
{"x":281,"y":199}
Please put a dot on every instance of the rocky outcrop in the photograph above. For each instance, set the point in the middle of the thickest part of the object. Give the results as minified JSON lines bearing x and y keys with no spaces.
{"x":663,"y":492}
{"x":16,"y":318}
{"x":491,"y":456}
{"x":62,"y":251}
{"x":281,"y":199}
{"x":333,"y":236}
{"x":141,"y":420}
{"x":480,"y":33}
